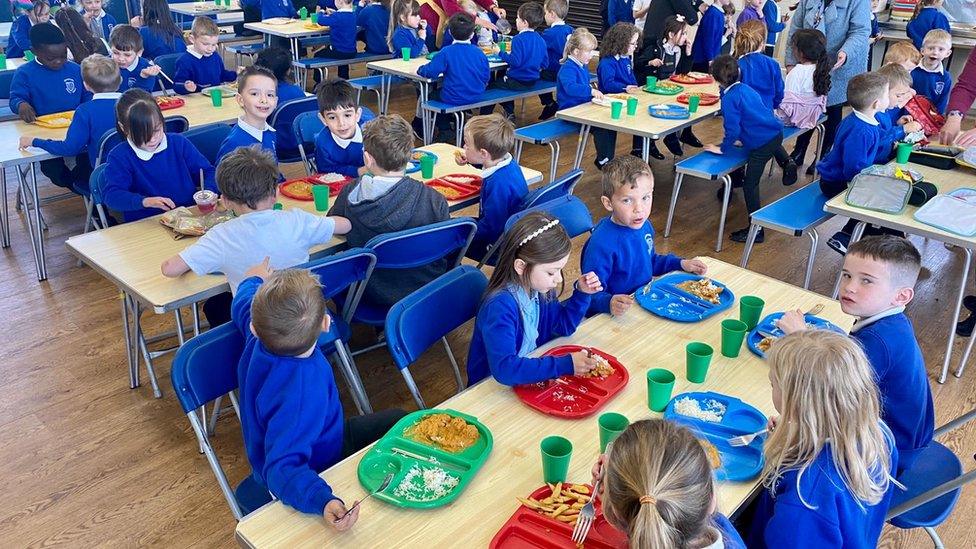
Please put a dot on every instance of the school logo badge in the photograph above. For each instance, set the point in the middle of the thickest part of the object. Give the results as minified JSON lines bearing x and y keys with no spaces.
{"x":69,"y":85}
{"x":650,"y":244}
{"x":132,"y":81}
{"x":939,"y":86}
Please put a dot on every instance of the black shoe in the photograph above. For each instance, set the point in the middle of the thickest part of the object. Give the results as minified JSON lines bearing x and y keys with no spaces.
{"x":839,"y":242}
{"x":653,"y":152}
{"x":742,"y":235}
{"x":797,"y":157}
{"x":549,"y":111}
{"x":599,"y":165}
{"x":965,"y":327}
{"x":810,"y":169}
{"x":689,"y":139}
{"x":969,"y":302}
{"x":789,"y":174}
{"x":671,"y":142}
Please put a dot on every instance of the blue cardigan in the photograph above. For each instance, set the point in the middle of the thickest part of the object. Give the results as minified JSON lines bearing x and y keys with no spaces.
{"x":708,"y":41}
{"x":331,"y":158}
{"x":465,"y":70}
{"x":91,"y":121}
{"x":374,"y":19}
{"x":291,"y":415}
{"x":743,"y":121}
{"x":929,"y":18}
{"x":763,"y":74}
{"x":204,"y":71}
{"x":133,"y":79}
{"x":278,"y":8}
{"x":156,"y":43}
{"x":498,"y":335}
{"x":614,"y":74}
{"x":405,"y":37}
{"x":573,"y":84}
{"x":47,"y":90}
{"x":238,"y":137}
{"x":857,"y":145}
{"x":620,"y":11}
{"x":555,"y":39}
{"x":773,"y":26}
{"x":527,"y":57}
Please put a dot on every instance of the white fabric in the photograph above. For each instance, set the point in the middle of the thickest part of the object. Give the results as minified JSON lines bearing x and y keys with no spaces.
{"x":145,"y":155}
{"x":639,"y":5}
{"x":106,"y":95}
{"x":133,"y":65}
{"x":800,"y":79}
{"x":257,"y":134}
{"x":505,"y":161}
{"x":356,"y":138}
{"x":939,"y":69}
{"x":860,"y":323}
{"x":869,"y":119}
{"x":192,"y":51}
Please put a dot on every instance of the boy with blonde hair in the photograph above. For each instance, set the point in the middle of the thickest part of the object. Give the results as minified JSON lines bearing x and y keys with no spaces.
{"x":199,"y":68}
{"x":893,"y":124}
{"x":930,"y":77}
{"x":555,"y":12}
{"x":903,"y":53}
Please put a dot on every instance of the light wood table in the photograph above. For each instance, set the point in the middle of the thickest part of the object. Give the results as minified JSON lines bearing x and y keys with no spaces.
{"x":590,"y":115}
{"x":947,"y":181}
{"x":640,"y":341}
{"x":293,"y":31}
{"x":189,"y":10}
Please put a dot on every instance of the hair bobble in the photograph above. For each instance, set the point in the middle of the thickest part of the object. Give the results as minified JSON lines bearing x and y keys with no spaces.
{"x":680,"y":18}
{"x":539,"y":231}
{"x":648,"y":499}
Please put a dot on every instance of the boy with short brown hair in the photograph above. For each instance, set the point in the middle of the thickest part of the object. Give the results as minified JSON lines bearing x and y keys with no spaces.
{"x":199,"y":68}
{"x":893,"y":125}
{"x":136,"y":71}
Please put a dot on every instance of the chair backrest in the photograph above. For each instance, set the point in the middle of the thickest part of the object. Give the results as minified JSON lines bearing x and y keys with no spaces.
{"x":560,"y":187}
{"x":167,"y":62}
{"x":176,"y":124}
{"x":305,"y":127}
{"x":348,"y":272}
{"x":283,"y":118}
{"x":572,"y":213}
{"x":419,"y":246}
{"x":6,"y":78}
{"x":111,"y":138}
{"x":417,"y":321}
{"x":208,"y":139}
{"x":96,"y":183}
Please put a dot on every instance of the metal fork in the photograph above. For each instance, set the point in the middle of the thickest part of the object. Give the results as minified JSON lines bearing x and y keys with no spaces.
{"x":815,"y":310}
{"x":383,"y":485}
{"x":586,"y":517}
{"x":745,"y":440}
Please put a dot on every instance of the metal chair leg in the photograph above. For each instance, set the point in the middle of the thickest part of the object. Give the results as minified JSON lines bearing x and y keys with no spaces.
{"x":727,"y":180}
{"x":678,"y":178}
{"x":212,"y":425}
{"x":413,"y":388}
{"x":750,"y":242}
{"x":935,"y":537}
{"x":581,"y":146}
{"x":179,"y":327}
{"x":814,"y":241}
{"x":349,"y":371}
{"x":855,"y":236}
{"x":454,"y":364}
{"x":518,"y":151}
{"x":554,"y":162}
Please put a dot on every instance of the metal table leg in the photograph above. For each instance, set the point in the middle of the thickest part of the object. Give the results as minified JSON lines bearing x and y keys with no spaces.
{"x":39,"y":249}
{"x":967,"y":263}
{"x":4,"y":214}
{"x":133,"y":369}
{"x":425,"y":117}
{"x":581,"y":147}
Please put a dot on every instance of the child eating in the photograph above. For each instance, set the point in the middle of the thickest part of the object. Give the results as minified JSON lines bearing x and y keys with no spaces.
{"x":199,"y":68}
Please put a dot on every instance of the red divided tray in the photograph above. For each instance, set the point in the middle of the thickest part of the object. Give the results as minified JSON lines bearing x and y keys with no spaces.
{"x":457,"y":186}
{"x":529,"y":529}
{"x":571,"y":396}
{"x":166,"y":102}
{"x":294,"y":190}
{"x":335,"y":185}
{"x":706,"y":99}
{"x":692,"y":78}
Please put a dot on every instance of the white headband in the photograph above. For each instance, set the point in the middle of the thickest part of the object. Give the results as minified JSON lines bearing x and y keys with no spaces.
{"x":539,"y":231}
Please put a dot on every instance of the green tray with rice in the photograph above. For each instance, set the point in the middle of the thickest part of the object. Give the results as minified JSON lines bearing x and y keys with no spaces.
{"x":424,"y":475}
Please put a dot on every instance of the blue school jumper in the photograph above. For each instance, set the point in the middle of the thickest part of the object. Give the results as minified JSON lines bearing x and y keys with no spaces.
{"x":743,"y":121}
{"x":277,"y":8}
{"x":763,"y":74}
{"x":131,"y":77}
{"x":92,"y":119}
{"x":730,"y":536}
{"x":498,"y":333}
{"x":465,"y":70}
{"x":771,"y":18}
{"x":620,"y":11}
{"x":374,"y":19}
{"x":19,"y":40}
{"x":624,"y":259}
{"x":173,"y":173}
{"x":203,"y":71}
{"x":929,"y":18}
{"x":555,"y":39}
{"x":889,"y":132}
{"x":527,"y":57}
{"x":156,"y":43}
{"x":573,"y":84}
{"x":449,"y":39}
{"x":903,"y":384}
{"x":933,"y":85}
{"x":330,"y":157}
{"x":501,"y":196}
{"x":108,"y":23}
{"x":47,"y":90}
{"x":342,"y":30}
{"x":818,"y":509}
{"x":291,"y":415}
{"x":244,"y":135}
{"x":875,"y":27}
{"x":287,"y":142}
{"x":405,"y":37}
{"x":708,"y":41}
{"x":857,"y":145}
{"x":614,"y":74}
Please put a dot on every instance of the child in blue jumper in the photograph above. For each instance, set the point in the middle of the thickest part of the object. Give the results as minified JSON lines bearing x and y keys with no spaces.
{"x":278,"y":61}
{"x":339,"y":146}
{"x":160,"y":35}
{"x":520,"y":310}
{"x":775,"y":24}
{"x":615,"y":74}
{"x":257,"y":94}
{"x":573,"y":87}
{"x":100,"y":22}
{"x":488,"y":142}
{"x":708,"y":40}
{"x":19,"y":40}
{"x":926,"y":18}
{"x":555,"y":38}
{"x":621,"y":248}
{"x":152,"y":171}
{"x":374,"y":20}
{"x":877,"y":282}
{"x":829,"y":456}
{"x":620,"y":11}
{"x":893,"y":125}
{"x":199,"y":67}
{"x":407,"y":29}
{"x":930,"y":78}
{"x":278,"y":8}
{"x":291,"y":416}
{"x":526,"y":57}
{"x":342,"y":34}
{"x":760,"y":133}
{"x":136,"y":71}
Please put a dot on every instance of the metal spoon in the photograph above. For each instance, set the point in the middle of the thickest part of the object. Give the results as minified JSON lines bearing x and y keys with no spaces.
{"x":383,"y":485}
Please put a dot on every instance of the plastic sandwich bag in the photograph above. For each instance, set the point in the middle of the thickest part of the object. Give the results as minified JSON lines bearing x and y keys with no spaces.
{"x":879,"y":193}
{"x":951,"y":213}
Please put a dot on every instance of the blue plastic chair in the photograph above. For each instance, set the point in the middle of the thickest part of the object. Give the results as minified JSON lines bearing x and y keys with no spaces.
{"x":205,"y":369}
{"x":429,"y":314}
{"x":93,"y":202}
{"x":208,"y":139}
{"x":111,"y":138}
{"x":282,"y":120}
{"x":167,"y":63}
{"x":6,"y":78}
{"x":305,"y":127}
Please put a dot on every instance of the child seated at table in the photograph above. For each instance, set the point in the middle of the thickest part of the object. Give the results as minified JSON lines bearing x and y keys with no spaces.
{"x":342,"y":34}
{"x":278,"y":8}
{"x":662,"y":498}
{"x":257,"y":94}
{"x":385,"y":200}
{"x":555,"y":38}
{"x":91,"y":121}
{"x":374,"y":20}
{"x":160,"y":35}
{"x":807,"y":84}
{"x":573,"y":87}
{"x":893,"y":125}
{"x":525,"y":59}
{"x":620,"y":250}
{"x":488,"y":142}
{"x":930,"y":78}
{"x":407,"y":29}
{"x":278,"y":61}
{"x":199,"y":67}
{"x":339,"y":146}
{"x":829,"y":457}
{"x":101,"y":23}
{"x":291,"y":415}
{"x":137,"y":71}
{"x":927,"y":18}
{"x":152,"y":171}
{"x":520,"y":310}
{"x":615,"y":74}
{"x":903,"y":53}
{"x":877,"y":282}
{"x":248,"y":181}
{"x":19,"y":41}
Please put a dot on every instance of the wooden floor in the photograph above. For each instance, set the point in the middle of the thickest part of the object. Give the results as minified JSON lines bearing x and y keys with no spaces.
{"x":86,"y":461}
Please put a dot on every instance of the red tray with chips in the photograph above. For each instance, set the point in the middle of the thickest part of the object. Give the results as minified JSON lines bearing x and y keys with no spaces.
{"x":530,"y":529}
{"x":457,"y":186}
{"x":692,"y":78}
{"x":167,"y":102}
{"x":301,"y":189}
{"x":706,"y":98}
{"x":574,"y":397}
{"x":335,"y":181}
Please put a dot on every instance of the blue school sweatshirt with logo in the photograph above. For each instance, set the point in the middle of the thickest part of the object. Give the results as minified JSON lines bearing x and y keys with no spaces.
{"x":342,"y":30}
{"x":133,"y":79}
{"x":708,"y":40}
{"x":889,"y":132}
{"x":47,"y":90}
{"x":501,"y":196}
{"x":743,"y":121}
{"x":555,"y":38}
{"x":203,"y":71}
{"x":374,"y":19}
{"x":291,"y":415}
{"x":624,"y":259}
{"x":405,"y":37}
{"x":91,"y":121}
{"x":465,"y":70}
{"x":763,"y":74}
{"x":19,"y":40}
{"x":929,"y":18}
{"x":857,"y":142}
{"x":331,"y":158}
{"x":933,"y":85}
{"x":573,"y":84}
{"x":239,"y":137}
{"x":156,"y":43}
{"x":526,"y":58}
{"x":278,"y":8}
{"x":614,"y":74}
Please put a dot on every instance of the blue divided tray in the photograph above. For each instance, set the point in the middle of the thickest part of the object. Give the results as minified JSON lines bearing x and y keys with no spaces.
{"x":768,"y":325}
{"x":494,"y":58}
{"x":669,"y":112}
{"x":664,"y":299}
{"x":738,"y":463}
{"x":414,"y":165}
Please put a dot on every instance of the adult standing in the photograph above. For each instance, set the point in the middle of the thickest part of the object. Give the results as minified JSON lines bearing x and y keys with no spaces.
{"x":847,"y":25}
{"x":961,"y":99}
{"x":658,"y":12}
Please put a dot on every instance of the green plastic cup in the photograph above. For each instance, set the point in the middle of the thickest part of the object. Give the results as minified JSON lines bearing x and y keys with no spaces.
{"x":216,"y":98}
{"x":320,"y":193}
{"x":902,"y":153}
{"x":698,"y":356}
{"x":405,"y":54}
{"x":611,"y":425}
{"x":616,"y":108}
{"x":750,"y":310}
{"x":556,"y":453}
{"x":660,"y":383}
{"x":502,"y":46}
{"x":217,"y":3}
{"x":651,"y":82}
{"x":733,"y":332}
{"x":303,"y":13}
{"x":631,"y":106}
{"x":3,"y":62}
{"x":29,"y":56}
{"x":693,"y":101}
{"x":427,"y":166}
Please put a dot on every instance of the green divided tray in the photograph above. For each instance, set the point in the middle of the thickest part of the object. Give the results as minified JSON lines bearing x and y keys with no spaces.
{"x":658,"y":90}
{"x":394,"y":453}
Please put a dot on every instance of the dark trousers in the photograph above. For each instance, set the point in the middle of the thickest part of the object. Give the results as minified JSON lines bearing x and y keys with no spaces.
{"x":752,"y":174}
{"x":57,"y":170}
{"x":547,"y":98}
{"x":328,"y":52}
{"x":769,"y":50}
{"x":506,"y":83}
{"x":835,"y":113}
{"x":605,"y":142}
{"x":217,"y":309}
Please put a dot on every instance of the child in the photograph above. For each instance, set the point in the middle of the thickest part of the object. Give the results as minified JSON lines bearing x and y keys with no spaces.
{"x":100,"y":23}
{"x":527,"y":55}
{"x":926,"y":18}
{"x":573,"y":87}
{"x":278,"y":61}
{"x":19,"y":40}
{"x":555,"y":38}
{"x":257,"y":95}
{"x":620,"y":11}
{"x":248,"y":181}
{"x":774,"y":24}
{"x":160,"y":35}
{"x":829,"y":459}
{"x":384,"y":200}
{"x":339,"y":146}
{"x":759,"y":131}
{"x":278,"y":8}
{"x":656,"y":486}
{"x":876,"y":34}
{"x":78,"y":37}
{"x":893,"y":126}
{"x":708,"y":40}
{"x":153,"y":171}
{"x":930,"y":77}
{"x":488,"y":142}
{"x":520,"y":309}
{"x":136,"y":71}
{"x":751,"y":11}
{"x":91,"y":121}
{"x":342,"y":33}
{"x":615,"y":74}
{"x":621,"y":248}
{"x":374,"y":20}
{"x":903,"y":53}
{"x":199,"y":68}
{"x":291,"y":416}
{"x":807,"y":83}
{"x":407,"y":29}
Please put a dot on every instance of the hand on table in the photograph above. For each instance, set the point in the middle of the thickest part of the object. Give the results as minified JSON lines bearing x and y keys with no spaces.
{"x":190,"y":86}
{"x":263,"y":270}
{"x":159,"y":202}
{"x":26,"y":141}
{"x":589,"y":283}
{"x":950,"y":130}
{"x":632,"y":89}
{"x":582,"y":363}
{"x":335,"y":509}
{"x":792,"y":322}
{"x":620,"y":303}
{"x":696,"y":266}
{"x":597,"y":94}
{"x":26,"y":113}
{"x":712,"y":148}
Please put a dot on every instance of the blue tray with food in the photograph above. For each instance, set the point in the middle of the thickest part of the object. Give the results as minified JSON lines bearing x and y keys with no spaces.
{"x":685,"y":297}
{"x":763,"y":335}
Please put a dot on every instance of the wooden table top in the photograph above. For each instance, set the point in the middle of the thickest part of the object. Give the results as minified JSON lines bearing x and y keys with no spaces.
{"x":295,"y":29}
{"x":638,"y":339}
{"x":946,"y":181}
{"x":204,"y":8}
{"x":408,"y":69}
{"x":642,"y":124}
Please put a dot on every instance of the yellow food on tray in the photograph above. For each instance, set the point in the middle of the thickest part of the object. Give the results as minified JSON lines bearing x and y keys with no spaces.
{"x":447,"y":192}
{"x":702,"y":288}
{"x":55,"y":120}
{"x":765,"y":343}
{"x":620,"y":96}
{"x":667,"y":86}
{"x":563,"y":504}
{"x":602,"y":370}
{"x":444,"y":431}
{"x":711,"y":452}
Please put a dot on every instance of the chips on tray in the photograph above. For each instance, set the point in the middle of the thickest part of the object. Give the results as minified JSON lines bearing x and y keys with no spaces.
{"x":711,"y":452}
{"x":702,"y":288}
{"x":562,"y":504}
{"x":603,"y":368}
{"x":445,"y":432}
{"x":764,"y":344}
